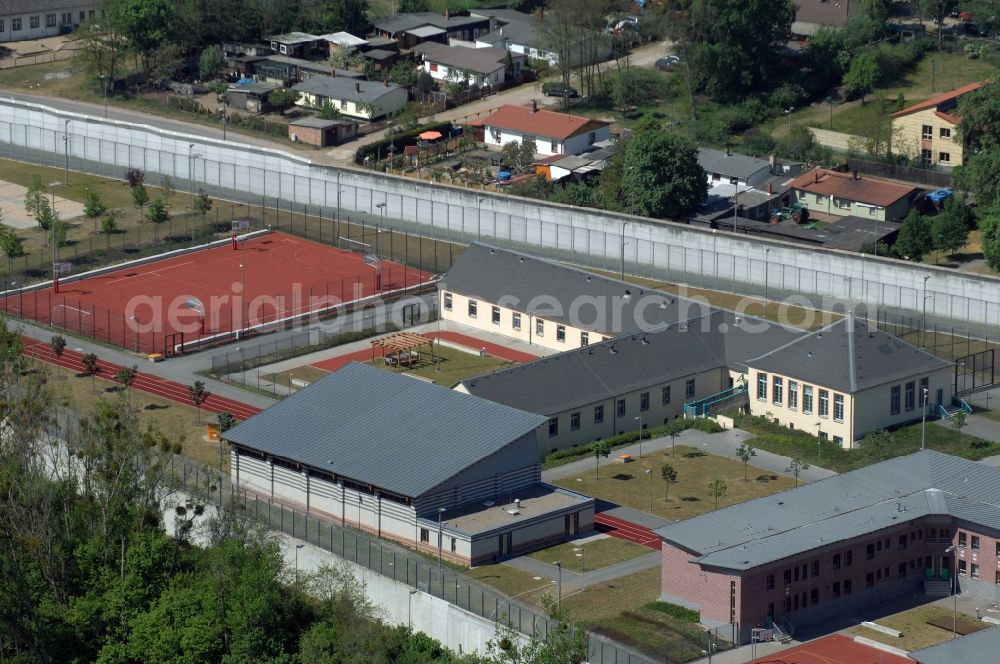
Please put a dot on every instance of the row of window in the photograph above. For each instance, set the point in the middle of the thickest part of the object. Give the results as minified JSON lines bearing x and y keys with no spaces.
{"x":909,"y":396}
{"x":964,"y":540}
{"x":620,"y":408}
{"x":778,"y":397}
{"x":34,"y":22}
{"x":516,"y":321}
{"x":927,"y":132}
{"x":927,"y":157}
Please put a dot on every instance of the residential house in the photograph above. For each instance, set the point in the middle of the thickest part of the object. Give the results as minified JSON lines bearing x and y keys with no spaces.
{"x":22,"y":20}
{"x":849,"y":194}
{"x":553,"y":133}
{"x":929,"y":130}
{"x":251,"y":97}
{"x":479,"y":67}
{"x":286,"y":71}
{"x":578,"y":166}
{"x":811,"y":15}
{"x":297,"y":44}
{"x":368,"y":100}
{"x":841,"y":547}
{"x":846,"y":380}
{"x":463,"y":482}
{"x":726,"y":166}
{"x":516,"y":32}
{"x":320,"y":132}
{"x":410,"y":29}
{"x":343,"y":41}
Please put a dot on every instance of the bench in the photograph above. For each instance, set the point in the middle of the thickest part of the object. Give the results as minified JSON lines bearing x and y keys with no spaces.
{"x":626,"y":458}
{"x":155,"y":357}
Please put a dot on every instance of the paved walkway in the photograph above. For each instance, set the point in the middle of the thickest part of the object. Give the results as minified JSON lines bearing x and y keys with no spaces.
{"x":976,"y":425}
{"x":578,"y":581}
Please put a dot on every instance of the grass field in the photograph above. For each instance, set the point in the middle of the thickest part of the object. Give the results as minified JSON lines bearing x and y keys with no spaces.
{"x":628,"y":484}
{"x":595,"y":554}
{"x":917,"y":633}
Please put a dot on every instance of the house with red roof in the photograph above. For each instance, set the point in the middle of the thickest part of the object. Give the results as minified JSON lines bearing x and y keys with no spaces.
{"x":851,"y":195}
{"x":553,"y":133}
{"x":928,"y":130}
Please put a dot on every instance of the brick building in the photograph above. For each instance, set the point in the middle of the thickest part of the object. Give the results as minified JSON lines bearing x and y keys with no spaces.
{"x":839,"y":545}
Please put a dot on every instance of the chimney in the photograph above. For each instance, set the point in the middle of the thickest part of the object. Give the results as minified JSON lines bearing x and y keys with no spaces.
{"x":816,"y":176}
{"x":357,"y":87}
{"x":774,"y":164}
{"x":770,"y":189}
{"x":534,"y":106}
{"x":446,"y":13}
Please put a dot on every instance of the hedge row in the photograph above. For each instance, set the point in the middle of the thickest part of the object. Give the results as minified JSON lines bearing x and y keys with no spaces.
{"x":400,"y":140}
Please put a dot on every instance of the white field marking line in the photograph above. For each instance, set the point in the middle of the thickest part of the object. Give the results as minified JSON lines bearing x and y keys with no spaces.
{"x":155,"y":272}
{"x":66,"y":306}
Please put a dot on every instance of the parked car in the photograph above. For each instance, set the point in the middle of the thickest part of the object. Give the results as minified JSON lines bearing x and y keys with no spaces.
{"x":666,"y":62}
{"x":553,"y":89}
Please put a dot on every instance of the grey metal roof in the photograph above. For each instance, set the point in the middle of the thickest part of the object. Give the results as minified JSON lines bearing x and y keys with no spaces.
{"x":319,"y":123}
{"x":344,"y":39}
{"x":628,"y":363}
{"x":479,"y":60}
{"x":293,"y":38}
{"x":380,"y":54}
{"x":257,"y":88}
{"x":425,"y":31}
{"x":554,"y":291}
{"x":340,"y":87}
{"x":838,"y":509}
{"x":409,"y":21}
{"x":977,"y":647}
{"x":848,"y":356}
{"x":15,"y":7}
{"x":730,"y":165}
{"x":389,"y":430}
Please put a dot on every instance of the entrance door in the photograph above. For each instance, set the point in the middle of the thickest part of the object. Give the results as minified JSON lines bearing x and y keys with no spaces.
{"x":505,"y":544}
{"x":940,"y":397}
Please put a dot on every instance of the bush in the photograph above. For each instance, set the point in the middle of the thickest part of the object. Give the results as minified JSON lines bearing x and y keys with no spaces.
{"x":283,"y":98}
{"x":679,"y":612}
{"x":400,"y":140}
{"x":134,"y":177}
{"x":703,"y":424}
{"x":580,"y":451}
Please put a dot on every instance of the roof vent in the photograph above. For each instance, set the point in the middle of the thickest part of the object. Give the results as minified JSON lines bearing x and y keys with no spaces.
{"x":588,"y":279}
{"x":663,"y":304}
{"x":522,"y":259}
{"x":492,"y":252}
{"x":613,"y":350}
{"x":645,"y":341}
{"x":810,"y":354}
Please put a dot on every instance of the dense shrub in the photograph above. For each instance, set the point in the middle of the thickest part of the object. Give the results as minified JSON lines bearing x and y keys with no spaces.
{"x":680,"y":612}
{"x":400,"y":140}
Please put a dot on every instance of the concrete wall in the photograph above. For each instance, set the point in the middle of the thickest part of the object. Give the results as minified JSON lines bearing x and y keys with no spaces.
{"x":653,"y":248}
{"x":832,"y":139}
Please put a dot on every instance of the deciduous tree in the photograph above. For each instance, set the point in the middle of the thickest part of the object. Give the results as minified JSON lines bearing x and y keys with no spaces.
{"x":950,"y":228}
{"x":915,"y":238}
{"x":717,"y":489}
{"x":199,"y":394}
{"x":211,"y":61}
{"x":600,"y":448}
{"x":661,"y":176}
{"x":744,"y":454}
{"x":669,"y":475}
{"x":877,"y":442}
{"x":795,"y":468}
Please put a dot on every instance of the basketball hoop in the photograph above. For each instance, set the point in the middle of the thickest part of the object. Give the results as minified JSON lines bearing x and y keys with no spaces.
{"x":196,"y":305}
{"x":373,"y":260}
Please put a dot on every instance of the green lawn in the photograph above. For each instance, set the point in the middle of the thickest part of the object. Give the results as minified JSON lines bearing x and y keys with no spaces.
{"x":628,"y":484}
{"x":917,"y":633}
{"x":452,"y":365}
{"x":594,"y":555}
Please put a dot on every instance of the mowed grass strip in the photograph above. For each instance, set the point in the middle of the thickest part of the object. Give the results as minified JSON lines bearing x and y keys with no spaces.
{"x":588,"y":556}
{"x":917,"y":633}
{"x":628,"y":484}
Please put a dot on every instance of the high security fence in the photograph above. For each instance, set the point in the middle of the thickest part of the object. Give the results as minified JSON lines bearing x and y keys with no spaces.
{"x":721,"y":261}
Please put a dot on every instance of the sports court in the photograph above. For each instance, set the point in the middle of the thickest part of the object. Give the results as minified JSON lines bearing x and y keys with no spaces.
{"x":213,"y":292}
{"x":833,"y":649}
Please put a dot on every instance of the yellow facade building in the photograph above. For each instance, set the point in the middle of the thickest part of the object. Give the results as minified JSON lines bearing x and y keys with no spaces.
{"x":929,"y":130}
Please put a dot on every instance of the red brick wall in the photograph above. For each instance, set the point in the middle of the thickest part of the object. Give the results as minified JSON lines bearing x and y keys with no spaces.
{"x":710,"y":591}
{"x":985,"y":557}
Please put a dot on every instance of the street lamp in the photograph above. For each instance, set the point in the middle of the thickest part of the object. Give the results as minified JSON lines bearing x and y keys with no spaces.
{"x":135,"y":328}
{"x":639,"y":420}
{"x":923,"y":325}
{"x":954,"y":592}
{"x":923,"y":416}
{"x":53,"y":223}
{"x":440,"y":541}
{"x":789,"y":112}
{"x":66,"y":150}
{"x":624,"y":224}
{"x":297,"y":547}
{"x":649,"y":474}
{"x":558,"y":565}
{"x":243,"y":377}
{"x":381,"y":209}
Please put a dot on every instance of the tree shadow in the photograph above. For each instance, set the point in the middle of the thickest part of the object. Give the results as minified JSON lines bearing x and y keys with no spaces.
{"x":622,"y":476}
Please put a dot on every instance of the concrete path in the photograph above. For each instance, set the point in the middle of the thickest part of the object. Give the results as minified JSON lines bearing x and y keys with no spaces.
{"x":976,"y":425}
{"x":577,"y":581}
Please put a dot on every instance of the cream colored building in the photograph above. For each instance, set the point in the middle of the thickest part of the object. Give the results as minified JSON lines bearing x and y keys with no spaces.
{"x":846,"y":380}
{"x":929,"y":130}
{"x":367,"y":100}
{"x":850,"y":195}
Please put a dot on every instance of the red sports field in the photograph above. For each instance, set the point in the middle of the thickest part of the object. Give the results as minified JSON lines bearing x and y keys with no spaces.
{"x":156,"y":306}
{"x":833,"y":649}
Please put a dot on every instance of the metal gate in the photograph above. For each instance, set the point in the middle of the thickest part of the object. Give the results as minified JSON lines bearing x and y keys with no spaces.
{"x":975,"y":372}
{"x":173,"y":344}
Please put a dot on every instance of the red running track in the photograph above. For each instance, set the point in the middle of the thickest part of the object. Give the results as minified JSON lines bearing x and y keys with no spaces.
{"x":143,"y":381}
{"x":833,"y":649}
{"x":283,"y":276}
{"x":626,"y":530}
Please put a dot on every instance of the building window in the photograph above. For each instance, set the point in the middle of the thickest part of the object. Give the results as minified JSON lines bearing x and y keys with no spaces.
{"x":425,"y":535}
{"x":553,"y":427}
{"x":473,"y":308}
{"x":584,"y":338}
{"x":847,"y":586}
{"x":836,"y":589}
{"x":343,"y":102}
{"x":621,"y":408}
{"x":689,"y":388}
{"x":762,"y":387}
{"x":770,"y":582}
{"x":665,"y":396}
{"x":574,"y":421}
{"x":447,"y":301}
{"x":944,"y":157}
{"x":787,"y":605}
{"x":795,"y":573}
{"x":644,"y":401}
{"x":434,"y":66}
{"x":15,"y":23}
{"x":807,"y":399}
{"x":998,"y":579}
{"x":838,"y":407}
{"x":50,"y":20}
{"x":453,"y":544}
{"x":67,"y":18}
{"x":824,"y":403}
{"x":927,"y":132}
{"x":901,"y":571}
{"x":598,"y":414}
{"x":819,"y":198}
{"x":560,"y":333}
{"x":975,"y":542}
{"x":836,"y":561}
{"x":944,"y":132}
{"x":815,"y":568}
{"x":894,"y":400}
{"x":788,"y":577}
{"x":961,"y":568}
{"x":870,"y":579}
{"x":963,"y":538}
{"x":848,"y":558}
{"x":902,"y":542}
{"x":870,"y":551}
{"x":516,"y":322}
{"x":495,"y":315}
{"x":838,"y":441}
{"x":793,"y":395}
{"x":777,"y":390}
{"x":539,"y":328}
{"x":975,"y":570}
{"x":33,"y":22}
{"x":814,"y":596}
{"x":554,"y":147}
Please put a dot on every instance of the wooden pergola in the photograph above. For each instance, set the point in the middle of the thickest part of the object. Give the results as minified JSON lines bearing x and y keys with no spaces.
{"x":401,"y":348}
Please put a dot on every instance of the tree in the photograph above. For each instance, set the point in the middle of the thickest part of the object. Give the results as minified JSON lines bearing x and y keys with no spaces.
{"x":633,"y":85}
{"x":45,"y":216}
{"x":989,"y":226}
{"x":198,"y":395}
{"x":168,"y":187}
{"x":125,"y":377}
{"x":140,"y":197}
{"x":406,"y":6}
{"x":669,"y":475}
{"x":510,"y":155}
{"x":915,"y":238}
{"x":91,"y":368}
{"x":673,"y":428}
{"x":717,"y":489}
{"x":660,"y":175}
{"x":347,"y":15}
{"x":795,"y":468}
{"x":877,"y":442}
{"x":744,"y":454}
{"x":134,"y":177}
{"x":93,"y":206}
{"x":980,"y":174}
{"x":226,"y":422}
{"x":950,"y":228}
{"x":12,"y":247}
{"x":526,"y":156}
{"x":862,"y":75}
{"x":329,"y":112}
{"x":147,"y":26}
{"x":798,"y":144}
{"x":157,"y":214}
{"x":109,"y":226}
{"x":211,"y":61}
{"x":876,"y":135}
{"x":35,"y":198}
{"x":823,"y":58}
{"x":283,"y":98}
{"x":958,"y":422}
{"x":58,"y":344}
{"x":600,"y":448}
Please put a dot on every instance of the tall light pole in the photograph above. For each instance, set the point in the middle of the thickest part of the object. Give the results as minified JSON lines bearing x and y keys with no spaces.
{"x":954,"y":592}
{"x":923,"y":416}
{"x":55,"y":245}
{"x":639,"y":420}
{"x":923,"y":325}
{"x":192,"y":155}
{"x":440,"y":542}
{"x":297,"y":547}
{"x":381,"y":209}
{"x":559,"y":586}
{"x":135,"y":325}
{"x":66,"y":151}
{"x":789,"y":112}
{"x":624,"y":224}
{"x":244,"y":309}
{"x":649,"y":474}
{"x":243,"y":377}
